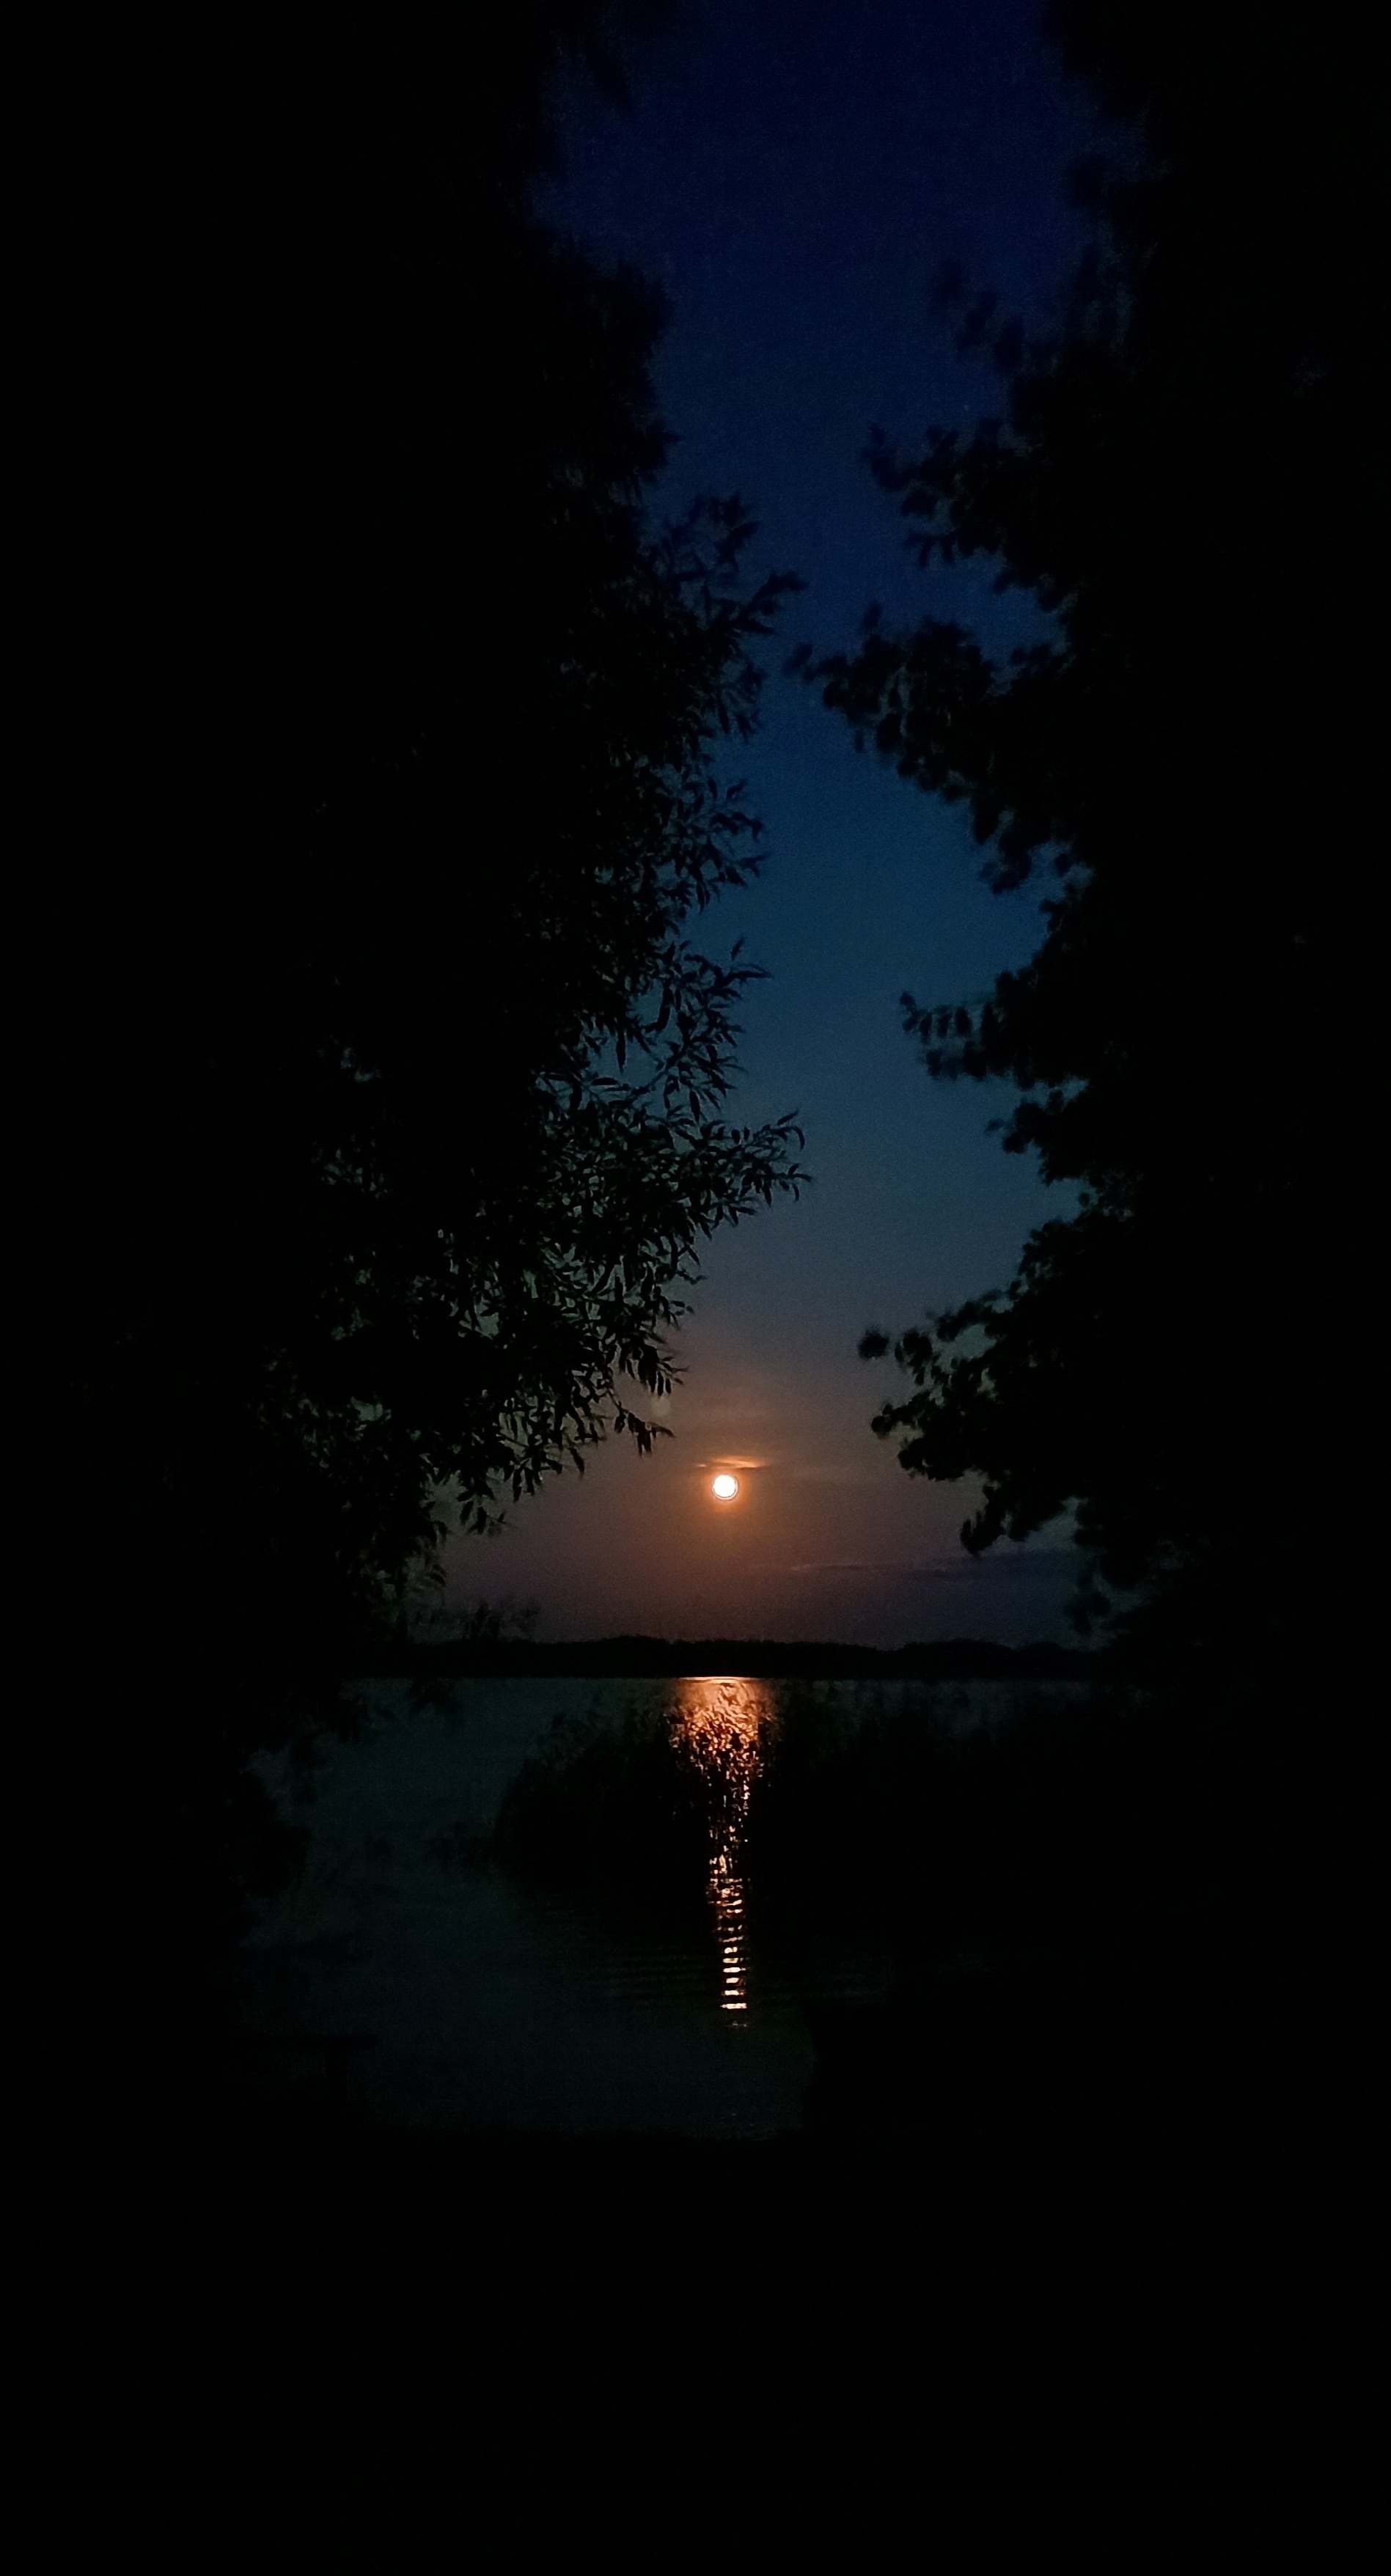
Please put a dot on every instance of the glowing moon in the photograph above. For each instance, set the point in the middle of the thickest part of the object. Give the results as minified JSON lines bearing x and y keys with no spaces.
{"x":724,"y":1488}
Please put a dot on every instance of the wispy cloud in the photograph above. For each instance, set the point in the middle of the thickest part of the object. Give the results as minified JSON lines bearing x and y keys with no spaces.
{"x":1052,"y":1564}
{"x":849,"y":1565}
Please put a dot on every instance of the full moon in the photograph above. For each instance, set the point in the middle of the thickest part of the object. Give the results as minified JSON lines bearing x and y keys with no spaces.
{"x":724,"y":1488}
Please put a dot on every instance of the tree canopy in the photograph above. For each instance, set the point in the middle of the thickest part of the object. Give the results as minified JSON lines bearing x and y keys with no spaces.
{"x":1181,"y":478}
{"x":370,"y":798}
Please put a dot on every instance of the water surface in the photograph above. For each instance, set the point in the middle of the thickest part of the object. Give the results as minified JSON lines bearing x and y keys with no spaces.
{"x":437,"y":1988}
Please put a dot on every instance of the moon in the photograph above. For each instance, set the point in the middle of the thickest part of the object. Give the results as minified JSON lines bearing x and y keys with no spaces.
{"x":724,"y":1488}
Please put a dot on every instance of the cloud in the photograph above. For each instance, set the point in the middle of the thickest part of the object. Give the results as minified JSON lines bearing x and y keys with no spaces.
{"x":847,"y":1565}
{"x":1051,"y":1564}
{"x":1021,"y":1565}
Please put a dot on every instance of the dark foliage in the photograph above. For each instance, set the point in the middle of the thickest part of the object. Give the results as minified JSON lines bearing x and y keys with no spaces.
{"x":368,"y":793}
{"x":366,"y":802}
{"x":1184,"y":479}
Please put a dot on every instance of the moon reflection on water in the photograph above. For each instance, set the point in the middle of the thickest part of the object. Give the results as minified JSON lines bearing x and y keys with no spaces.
{"x":722,"y":1721}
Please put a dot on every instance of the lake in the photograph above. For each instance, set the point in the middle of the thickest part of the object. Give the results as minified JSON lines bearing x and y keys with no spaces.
{"x":412,"y":1976}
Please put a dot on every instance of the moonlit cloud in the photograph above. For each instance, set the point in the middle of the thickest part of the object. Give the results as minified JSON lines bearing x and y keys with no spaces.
{"x":1042,"y":1563}
{"x":861,"y":1565}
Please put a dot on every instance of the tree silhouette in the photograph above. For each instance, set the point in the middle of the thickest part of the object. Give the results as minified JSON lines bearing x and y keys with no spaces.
{"x":367,"y":804}
{"x":1182,"y":479}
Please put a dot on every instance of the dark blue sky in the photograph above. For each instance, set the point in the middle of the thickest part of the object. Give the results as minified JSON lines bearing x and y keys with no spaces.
{"x":793,"y":177}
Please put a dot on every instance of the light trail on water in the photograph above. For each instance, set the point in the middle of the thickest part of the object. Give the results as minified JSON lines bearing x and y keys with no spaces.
{"x":722,"y":1721}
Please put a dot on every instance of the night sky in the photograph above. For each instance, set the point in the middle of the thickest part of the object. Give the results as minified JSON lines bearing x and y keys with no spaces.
{"x":794,"y":178}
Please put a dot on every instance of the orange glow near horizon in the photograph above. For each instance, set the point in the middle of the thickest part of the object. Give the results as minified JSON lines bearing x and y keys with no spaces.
{"x":724,"y":1488}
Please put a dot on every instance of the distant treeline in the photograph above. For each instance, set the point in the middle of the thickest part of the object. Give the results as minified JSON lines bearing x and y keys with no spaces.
{"x":958,"y":1659}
